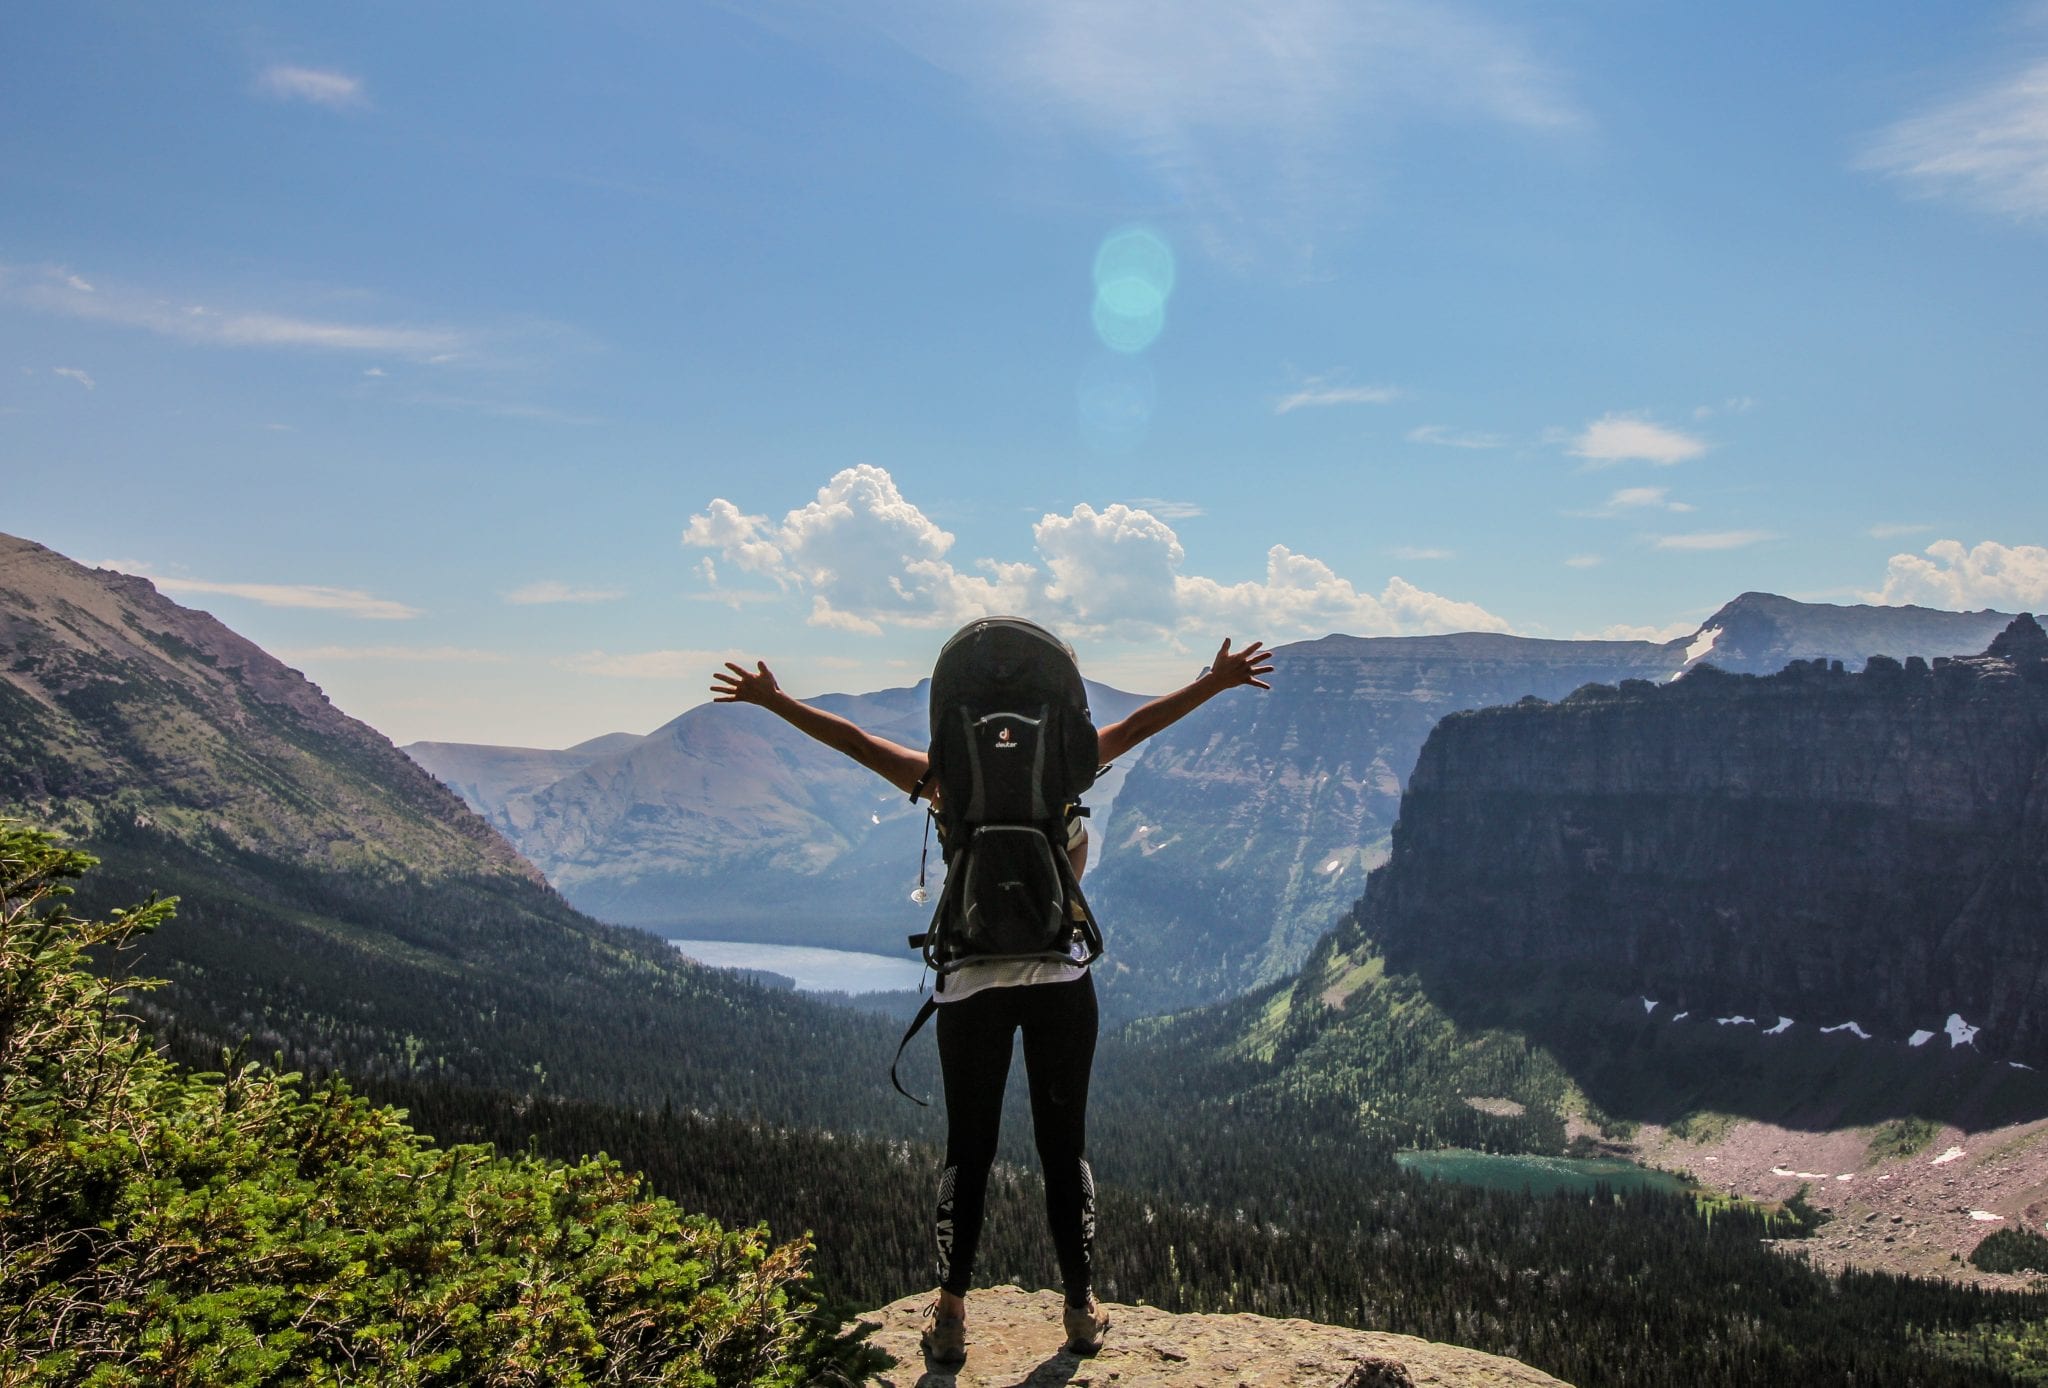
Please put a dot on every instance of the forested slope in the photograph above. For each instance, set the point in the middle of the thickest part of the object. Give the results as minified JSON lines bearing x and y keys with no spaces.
{"x":341,"y":908}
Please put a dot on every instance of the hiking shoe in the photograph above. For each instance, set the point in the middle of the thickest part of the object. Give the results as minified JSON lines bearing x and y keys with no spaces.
{"x":1085,"y":1326}
{"x":945,"y":1340}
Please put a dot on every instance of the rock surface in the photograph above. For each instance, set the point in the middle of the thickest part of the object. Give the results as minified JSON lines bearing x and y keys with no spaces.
{"x":1015,"y":1340}
{"x":1814,"y":845}
{"x":1250,"y":826}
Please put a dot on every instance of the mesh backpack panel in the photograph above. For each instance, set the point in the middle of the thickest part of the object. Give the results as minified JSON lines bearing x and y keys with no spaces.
{"x":1012,"y":750}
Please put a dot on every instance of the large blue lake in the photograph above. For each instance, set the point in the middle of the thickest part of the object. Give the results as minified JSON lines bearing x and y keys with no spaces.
{"x":1537,"y":1175}
{"x":815,"y":970}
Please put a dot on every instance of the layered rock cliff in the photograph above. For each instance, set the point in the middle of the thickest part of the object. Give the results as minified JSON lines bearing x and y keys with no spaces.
{"x":1818,"y":845}
{"x":1246,"y":828}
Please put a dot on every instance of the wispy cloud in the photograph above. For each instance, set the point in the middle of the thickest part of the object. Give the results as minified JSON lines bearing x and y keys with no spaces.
{"x":736,"y":598}
{"x":1636,"y":499}
{"x":72,"y":373}
{"x":645,"y":665}
{"x":1318,"y":392}
{"x":1986,"y":148}
{"x":320,"y":86}
{"x":502,"y":409}
{"x":1893,"y":531}
{"x":1582,"y":561}
{"x":352,"y":602}
{"x":549,"y":591}
{"x":1443,"y":436}
{"x":1627,"y":631}
{"x":1734,"y":404}
{"x":1622,"y":438}
{"x":1716,"y":539}
{"x":402,"y":655}
{"x":54,"y":290}
{"x":1254,"y":118}
{"x":1418,"y":553}
{"x":1169,"y":510}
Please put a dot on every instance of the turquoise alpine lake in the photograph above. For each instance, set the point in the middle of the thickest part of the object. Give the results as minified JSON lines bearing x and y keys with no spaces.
{"x":815,"y":969}
{"x":1537,"y":1175}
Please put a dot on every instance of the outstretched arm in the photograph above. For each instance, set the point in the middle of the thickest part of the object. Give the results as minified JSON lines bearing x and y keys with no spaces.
{"x":902,"y":767}
{"x":1228,"y":671}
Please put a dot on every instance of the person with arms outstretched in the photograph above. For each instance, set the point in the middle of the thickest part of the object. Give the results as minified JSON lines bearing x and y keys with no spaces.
{"x":987,"y":1003}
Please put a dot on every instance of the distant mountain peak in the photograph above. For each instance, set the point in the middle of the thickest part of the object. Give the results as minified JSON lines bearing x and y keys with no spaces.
{"x":2023,"y":642}
{"x":1761,"y":632}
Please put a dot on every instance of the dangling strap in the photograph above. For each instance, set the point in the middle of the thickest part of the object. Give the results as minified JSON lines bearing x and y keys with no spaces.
{"x":924,"y":1014}
{"x":920,"y":896}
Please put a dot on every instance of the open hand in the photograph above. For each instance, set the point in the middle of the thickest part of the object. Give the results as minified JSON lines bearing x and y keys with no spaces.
{"x":743,"y":686}
{"x":1232,"y":669}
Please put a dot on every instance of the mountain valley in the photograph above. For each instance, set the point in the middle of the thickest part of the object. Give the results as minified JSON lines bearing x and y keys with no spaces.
{"x":346,"y":914}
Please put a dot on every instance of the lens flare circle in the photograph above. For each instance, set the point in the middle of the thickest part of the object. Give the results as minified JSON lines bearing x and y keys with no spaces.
{"x":1134,"y":276}
{"x":1135,"y":256}
{"x":1127,"y":332}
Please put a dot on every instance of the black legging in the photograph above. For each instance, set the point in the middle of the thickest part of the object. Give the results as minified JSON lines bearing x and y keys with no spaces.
{"x":1059,"y":1022}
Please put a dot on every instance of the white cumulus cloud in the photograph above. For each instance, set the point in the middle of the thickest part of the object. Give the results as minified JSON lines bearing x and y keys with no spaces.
{"x":866,"y":556}
{"x":1621,"y":438}
{"x":1951,"y":574}
{"x":1987,"y":149}
{"x":868,"y":559}
{"x":1117,"y":569}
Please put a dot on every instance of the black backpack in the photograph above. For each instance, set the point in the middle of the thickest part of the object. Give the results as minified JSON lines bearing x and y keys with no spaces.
{"x":1012,"y":750}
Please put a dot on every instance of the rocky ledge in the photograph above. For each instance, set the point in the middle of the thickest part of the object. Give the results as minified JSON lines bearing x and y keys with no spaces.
{"x":1015,"y":1340}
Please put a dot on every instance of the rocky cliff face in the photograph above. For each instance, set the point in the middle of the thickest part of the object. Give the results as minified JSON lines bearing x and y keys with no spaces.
{"x":1245,"y":829}
{"x":1817,"y":845}
{"x":1243,"y":832}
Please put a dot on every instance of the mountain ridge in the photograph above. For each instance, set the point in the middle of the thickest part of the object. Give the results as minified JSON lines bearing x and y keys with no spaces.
{"x":340,"y":906}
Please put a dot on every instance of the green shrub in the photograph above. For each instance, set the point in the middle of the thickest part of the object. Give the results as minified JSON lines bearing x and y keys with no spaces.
{"x":164,"y":1227}
{"x":1902,"y":1137}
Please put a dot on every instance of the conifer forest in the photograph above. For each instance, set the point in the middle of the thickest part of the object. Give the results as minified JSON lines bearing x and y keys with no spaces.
{"x":1219,"y":1192}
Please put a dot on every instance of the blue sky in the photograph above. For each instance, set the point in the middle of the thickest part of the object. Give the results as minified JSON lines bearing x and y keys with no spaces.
{"x":503,"y":367}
